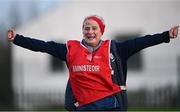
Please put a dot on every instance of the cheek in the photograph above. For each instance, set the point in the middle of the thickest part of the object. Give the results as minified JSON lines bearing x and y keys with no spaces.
{"x":84,"y":32}
{"x":98,"y":33}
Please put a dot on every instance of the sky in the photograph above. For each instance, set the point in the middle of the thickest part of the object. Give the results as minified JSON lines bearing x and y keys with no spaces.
{"x":24,"y":9}
{"x":24,"y":6}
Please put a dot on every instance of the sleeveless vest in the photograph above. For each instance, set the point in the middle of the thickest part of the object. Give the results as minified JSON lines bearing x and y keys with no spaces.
{"x":90,"y":72}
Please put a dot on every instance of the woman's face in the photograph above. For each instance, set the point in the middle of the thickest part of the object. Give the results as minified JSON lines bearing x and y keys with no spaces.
{"x":91,"y":32}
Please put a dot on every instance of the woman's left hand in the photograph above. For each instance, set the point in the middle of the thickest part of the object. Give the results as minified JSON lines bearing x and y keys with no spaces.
{"x":173,"y":32}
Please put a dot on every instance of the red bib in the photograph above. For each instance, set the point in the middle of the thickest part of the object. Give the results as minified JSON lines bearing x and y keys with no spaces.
{"x":90,"y":73}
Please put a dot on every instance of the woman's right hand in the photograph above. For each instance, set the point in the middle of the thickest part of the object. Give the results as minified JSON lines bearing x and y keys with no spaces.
{"x":11,"y":34}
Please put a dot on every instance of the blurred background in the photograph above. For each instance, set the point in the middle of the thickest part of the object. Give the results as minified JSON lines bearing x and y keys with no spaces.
{"x":36,"y":81}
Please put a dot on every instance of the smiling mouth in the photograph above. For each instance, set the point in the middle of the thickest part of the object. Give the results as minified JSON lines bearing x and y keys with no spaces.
{"x":90,"y":37}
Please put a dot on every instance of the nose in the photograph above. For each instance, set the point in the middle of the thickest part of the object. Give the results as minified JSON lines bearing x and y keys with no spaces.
{"x":90,"y":31}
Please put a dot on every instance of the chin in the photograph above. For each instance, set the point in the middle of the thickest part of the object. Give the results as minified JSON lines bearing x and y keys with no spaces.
{"x":91,"y":41}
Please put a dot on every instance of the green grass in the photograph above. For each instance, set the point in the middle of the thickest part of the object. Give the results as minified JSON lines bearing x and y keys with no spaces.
{"x":154,"y":109}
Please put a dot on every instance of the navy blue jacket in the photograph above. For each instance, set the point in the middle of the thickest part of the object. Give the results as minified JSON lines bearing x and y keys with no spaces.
{"x":123,"y":50}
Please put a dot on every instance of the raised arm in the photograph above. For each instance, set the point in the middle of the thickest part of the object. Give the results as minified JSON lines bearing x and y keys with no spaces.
{"x":131,"y":47}
{"x":50,"y":47}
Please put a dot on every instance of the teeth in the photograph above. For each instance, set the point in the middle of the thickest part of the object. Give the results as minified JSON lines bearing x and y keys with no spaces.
{"x":91,"y":37}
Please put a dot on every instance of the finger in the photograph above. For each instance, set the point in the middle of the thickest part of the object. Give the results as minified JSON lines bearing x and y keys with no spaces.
{"x":10,"y":34}
{"x":171,"y":33}
{"x":175,"y":31}
{"x":176,"y":27}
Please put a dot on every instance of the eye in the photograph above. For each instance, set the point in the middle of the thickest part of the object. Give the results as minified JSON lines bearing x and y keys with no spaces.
{"x":94,"y":28}
{"x":86,"y":28}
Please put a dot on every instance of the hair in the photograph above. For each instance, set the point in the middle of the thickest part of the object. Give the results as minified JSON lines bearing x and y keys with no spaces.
{"x":97,"y":16}
{"x":98,"y":19}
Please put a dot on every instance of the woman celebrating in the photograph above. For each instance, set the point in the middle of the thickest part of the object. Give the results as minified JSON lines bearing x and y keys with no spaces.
{"x":97,"y":67}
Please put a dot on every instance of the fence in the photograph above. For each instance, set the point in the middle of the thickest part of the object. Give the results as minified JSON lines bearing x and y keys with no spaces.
{"x":164,"y":98}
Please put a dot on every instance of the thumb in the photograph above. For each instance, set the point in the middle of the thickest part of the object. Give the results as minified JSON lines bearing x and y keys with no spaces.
{"x":11,"y":34}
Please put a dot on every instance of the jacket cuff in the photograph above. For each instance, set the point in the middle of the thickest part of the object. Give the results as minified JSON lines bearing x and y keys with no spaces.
{"x":166,"y":36}
{"x":16,"y":38}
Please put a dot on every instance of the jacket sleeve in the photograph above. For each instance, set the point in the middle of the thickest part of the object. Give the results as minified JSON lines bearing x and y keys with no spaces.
{"x":133,"y":46}
{"x":55,"y":49}
{"x":70,"y":100}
